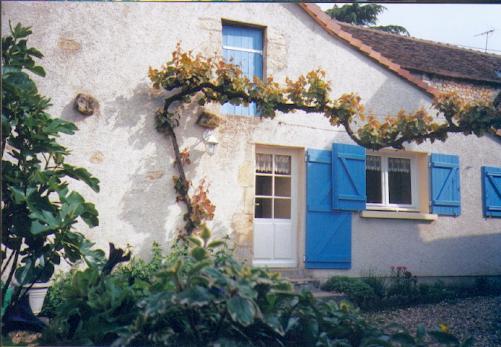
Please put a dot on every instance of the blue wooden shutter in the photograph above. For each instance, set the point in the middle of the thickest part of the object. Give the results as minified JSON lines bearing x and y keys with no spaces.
{"x":491,"y":191}
{"x":328,"y":232}
{"x":243,"y":47}
{"x":348,"y":177}
{"x":445,"y":184}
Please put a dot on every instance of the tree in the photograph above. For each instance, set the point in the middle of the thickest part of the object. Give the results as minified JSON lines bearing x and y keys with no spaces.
{"x":188,"y":77}
{"x":365,"y":15}
{"x":38,"y":208}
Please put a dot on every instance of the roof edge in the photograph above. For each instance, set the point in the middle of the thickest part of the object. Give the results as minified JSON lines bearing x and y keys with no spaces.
{"x":334,"y":29}
{"x":449,"y":75}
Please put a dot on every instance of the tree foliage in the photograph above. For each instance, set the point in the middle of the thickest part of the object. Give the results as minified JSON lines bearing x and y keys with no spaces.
{"x":38,"y":208}
{"x":365,"y":15}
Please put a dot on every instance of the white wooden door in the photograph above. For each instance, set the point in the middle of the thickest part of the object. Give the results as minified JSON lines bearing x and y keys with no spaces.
{"x":275,"y":208}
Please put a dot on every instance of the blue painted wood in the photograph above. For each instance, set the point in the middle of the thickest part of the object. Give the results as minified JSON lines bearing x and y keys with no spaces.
{"x":445,"y":185}
{"x":328,"y":232}
{"x":491,"y":191}
{"x":348,"y":177}
{"x":237,"y":41}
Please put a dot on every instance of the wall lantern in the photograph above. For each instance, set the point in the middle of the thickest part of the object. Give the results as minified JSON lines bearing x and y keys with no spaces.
{"x":210,"y":140}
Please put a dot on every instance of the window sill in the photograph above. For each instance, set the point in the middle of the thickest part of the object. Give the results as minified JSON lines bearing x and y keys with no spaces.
{"x":399,"y":215}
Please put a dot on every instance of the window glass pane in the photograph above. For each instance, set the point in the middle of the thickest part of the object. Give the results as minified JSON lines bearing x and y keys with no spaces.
{"x":282,"y":164}
{"x":282,"y":209}
{"x":263,"y":185}
{"x":373,"y":179}
{"x":399,"y":181}
{"x":282,"y":186}
{"x":264,"y":163}
{"x":263,"y":208}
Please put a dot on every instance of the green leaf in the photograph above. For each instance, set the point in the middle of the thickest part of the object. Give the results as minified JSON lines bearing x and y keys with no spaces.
{"x":215,"y":244}
{"x":17,"y":195}
{"x":34,"y":52}
{"x":37,"y":70}
{"x":273,"y":322}
{"x":241,"y":310}
{"x":199,"y":253}
{"x":20,"y":82}
{"x":420,"y":331}
{"x":375,"y":342}
{"x":38,"y":228}
{"x":403,"y":338}
{"x":90,"y":215}
{"x":444,"y":338}
{"x":20,"y":32}
{"x":195,"y":240}
{"x":196,"y":296}
{"x":6,"y":300}
{"x":25,"y":274}
{"x":205,"y":233}
{"x":468,"y":342}
{"x":82,"y":174}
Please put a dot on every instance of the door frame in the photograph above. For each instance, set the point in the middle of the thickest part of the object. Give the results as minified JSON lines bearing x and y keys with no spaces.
{"x":296,"y":158}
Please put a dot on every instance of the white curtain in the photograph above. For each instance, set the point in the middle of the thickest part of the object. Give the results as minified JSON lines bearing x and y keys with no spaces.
{"x":283,"y":164}
{"x":373,"y":163}
{"x":399,"y":165}
{"x":264,"y":163}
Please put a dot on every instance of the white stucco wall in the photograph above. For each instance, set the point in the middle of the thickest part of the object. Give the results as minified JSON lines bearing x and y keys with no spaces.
{"x":105,"y":49}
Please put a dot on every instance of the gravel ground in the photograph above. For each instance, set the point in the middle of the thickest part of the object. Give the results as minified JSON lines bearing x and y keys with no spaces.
{"x":479,"y":317}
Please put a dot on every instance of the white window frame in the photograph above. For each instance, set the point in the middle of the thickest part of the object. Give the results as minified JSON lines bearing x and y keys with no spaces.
{"x":385,"y":205}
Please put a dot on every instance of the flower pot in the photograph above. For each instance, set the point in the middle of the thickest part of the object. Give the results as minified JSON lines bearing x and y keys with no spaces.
{"x":37,"y":296}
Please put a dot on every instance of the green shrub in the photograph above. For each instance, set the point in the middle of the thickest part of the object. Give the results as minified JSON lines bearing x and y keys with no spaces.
{"x":376,"y":281}
{"x":54,"y":296}
{"x":402,"y":283}
{"x":359,"y":292}
{"x":201,"y":296}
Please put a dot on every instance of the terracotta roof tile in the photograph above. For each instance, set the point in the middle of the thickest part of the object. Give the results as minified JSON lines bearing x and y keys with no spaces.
{"x":430,"y":57}
{"x":334,"y":28}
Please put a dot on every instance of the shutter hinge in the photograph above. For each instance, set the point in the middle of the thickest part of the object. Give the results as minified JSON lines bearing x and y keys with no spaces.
{"x":306,"y":157}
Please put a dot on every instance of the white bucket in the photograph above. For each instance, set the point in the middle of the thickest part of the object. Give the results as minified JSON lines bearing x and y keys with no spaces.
{"x":37,"y":296}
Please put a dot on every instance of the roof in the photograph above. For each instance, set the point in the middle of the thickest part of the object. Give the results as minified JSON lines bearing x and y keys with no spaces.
{"x":403,"y":55}
{"x":430,"y":57}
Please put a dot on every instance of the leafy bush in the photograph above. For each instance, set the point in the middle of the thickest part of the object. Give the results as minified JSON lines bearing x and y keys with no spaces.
{"x":376,"y":281}
{"x":39,"y":211}
{"x":54,"y":296}
{"x":402,"y":289}
{"x":200,"y":295}
{"x":357,"y":290}
{"x":402,"y":282}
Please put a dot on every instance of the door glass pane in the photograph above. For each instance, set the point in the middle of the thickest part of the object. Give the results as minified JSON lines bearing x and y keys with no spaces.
{"x":263,"y":208}
{"x":283,"y":186}
{"x":263,"y":185}
{"x":373,"y":179}
{"x":264,"y":163}
{"x":283,"y":164}
{"x":282,"y":209}
{"x":399,"y":181}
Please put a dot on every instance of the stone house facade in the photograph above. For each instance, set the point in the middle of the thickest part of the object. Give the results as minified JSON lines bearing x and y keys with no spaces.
{"x":274,"y":182}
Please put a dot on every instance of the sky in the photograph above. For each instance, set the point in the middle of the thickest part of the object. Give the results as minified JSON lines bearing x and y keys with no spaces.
{"x":451,"y":23}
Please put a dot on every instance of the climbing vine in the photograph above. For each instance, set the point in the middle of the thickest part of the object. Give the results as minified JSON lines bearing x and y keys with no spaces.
{"x":192,"y":77}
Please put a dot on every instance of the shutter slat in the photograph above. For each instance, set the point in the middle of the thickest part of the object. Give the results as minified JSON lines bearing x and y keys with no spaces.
{"x":348,"y":177}
{"x":328,"y":232}
{"x":445,"y":184}
{"x":250,"y":62}
{"x":491,"y":191}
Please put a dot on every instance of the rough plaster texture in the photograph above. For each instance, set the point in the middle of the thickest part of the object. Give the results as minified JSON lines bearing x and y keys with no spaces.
{"x":105,"y":50}
{"x":468,"y":90}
